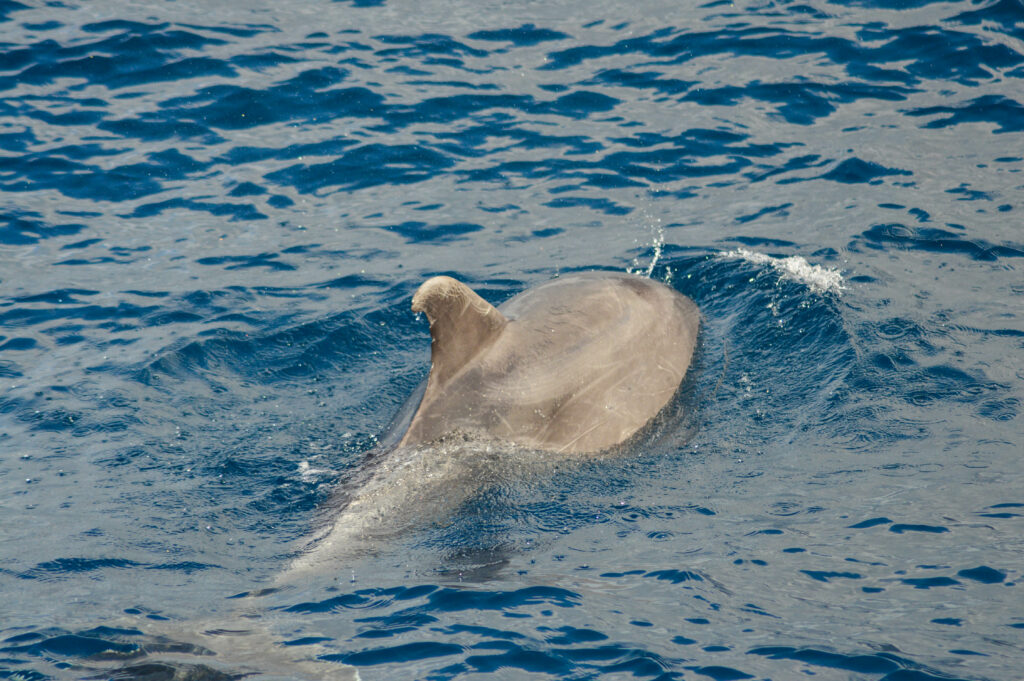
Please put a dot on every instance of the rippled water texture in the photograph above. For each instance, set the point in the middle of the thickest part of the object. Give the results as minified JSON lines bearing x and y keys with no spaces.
{"x":213,"y":217}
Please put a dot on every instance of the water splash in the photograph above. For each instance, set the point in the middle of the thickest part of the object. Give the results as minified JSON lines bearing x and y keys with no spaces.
{"x":656,"y":245}
{"x":819,"y":279}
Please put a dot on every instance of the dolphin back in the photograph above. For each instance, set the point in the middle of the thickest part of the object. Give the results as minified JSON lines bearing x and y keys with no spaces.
{"x":578,"y":364}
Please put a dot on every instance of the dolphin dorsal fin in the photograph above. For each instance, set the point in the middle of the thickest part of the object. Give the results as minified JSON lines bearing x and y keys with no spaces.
{"x":461,"y":325}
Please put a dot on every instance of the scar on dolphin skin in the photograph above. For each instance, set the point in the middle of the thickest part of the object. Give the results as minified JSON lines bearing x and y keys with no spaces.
{"x":573,"y":367}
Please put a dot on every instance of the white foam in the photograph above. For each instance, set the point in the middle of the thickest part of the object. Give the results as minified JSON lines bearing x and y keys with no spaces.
{"x":309,"y":473}
{"x":819,"y":279}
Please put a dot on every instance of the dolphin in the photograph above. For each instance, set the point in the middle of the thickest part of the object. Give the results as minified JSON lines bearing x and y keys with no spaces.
{"x":574,"y":367}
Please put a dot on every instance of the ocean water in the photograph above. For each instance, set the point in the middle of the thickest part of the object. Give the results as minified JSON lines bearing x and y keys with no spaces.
{"x":213,"y":217}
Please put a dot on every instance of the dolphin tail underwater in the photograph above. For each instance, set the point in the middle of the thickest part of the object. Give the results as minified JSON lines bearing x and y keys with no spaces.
{"x":574,"y":367}
{"x":242,"y":644}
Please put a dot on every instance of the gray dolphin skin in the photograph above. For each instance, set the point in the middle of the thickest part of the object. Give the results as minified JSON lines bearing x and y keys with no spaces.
{"x":578,"y":364}
{"x":573,"y":367}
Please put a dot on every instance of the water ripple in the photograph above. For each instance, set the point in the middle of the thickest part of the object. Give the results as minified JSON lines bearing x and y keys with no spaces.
{"x":212,"y":219}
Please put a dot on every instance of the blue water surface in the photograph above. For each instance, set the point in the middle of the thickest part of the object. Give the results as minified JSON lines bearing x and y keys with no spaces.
{"x":213,"y":217}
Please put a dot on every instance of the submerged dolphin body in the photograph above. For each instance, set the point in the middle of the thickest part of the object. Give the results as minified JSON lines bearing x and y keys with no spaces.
{"x":575,"y":366}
